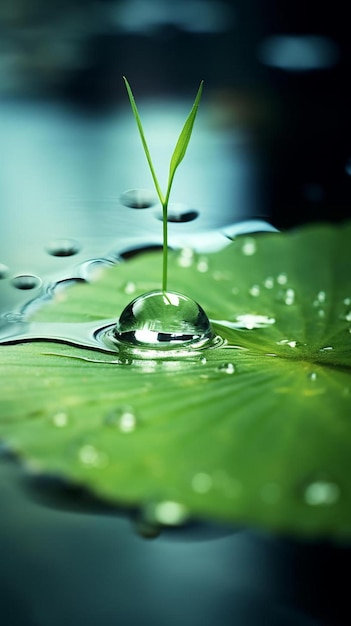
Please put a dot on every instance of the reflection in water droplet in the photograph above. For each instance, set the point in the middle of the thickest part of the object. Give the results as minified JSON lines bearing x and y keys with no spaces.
{"x":88,"y":455}
{"x":123,"y":418}
{"x":321,"y":493}
{"x":326,"y":349}
{"x":226,"y":368}
{"x":4,"y":270}
{"x":249,"y":247}
{"x":160,"y":320}
{"x":201,"y":482}
{"x":254,"y":290}
{"x":63,"y":247}
{"x":26,"y":281}
{"x":60,"y":419}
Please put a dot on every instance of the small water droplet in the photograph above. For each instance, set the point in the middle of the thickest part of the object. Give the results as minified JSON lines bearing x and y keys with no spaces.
{"x":201,"y":482}
{"x":289,"y":296}
{"x":203,"y":360}
{"x":226,"y":368}
{"x":347,"y":301}
{"x":287,"y":342}
{"x":249,"y":247}
{"x":138,"y":198}
{"x":167,"y":512}
{"x":321,"y":493}
{"x":4,"y":271}
{"x":282,"y":279}
{"x":326,"y":349}
{"x":63,"y":247}
{"x":129,"y":287}
{"x":269,"y":283}
{"x":251,"y":321}
{"x":254,"y":290}
{"x":347,"y":316}
{"x":123,"y":418}
{"x":88,"y":455}
{"x":158,"y":320}
{"x":185,"y":257}
{"x":321,"y":313}
{"x":202,"y":265}
{"x":60,"y":419}
{"x":26,"y":282}
{"x":313,"y":376}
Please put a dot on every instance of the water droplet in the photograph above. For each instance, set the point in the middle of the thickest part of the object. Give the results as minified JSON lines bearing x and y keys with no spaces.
{"x":202,"y":265}
{"x":282,"y":279}
{"x":123,"y":418}
{"x":226,"y":368}
{"x":347,"y":316}
{"x":289,"y":296}
{"x":90,"y":456}
{"x":201,"y":482}
{"x":347,"y":301}
{"x":185,"y":257}
{"x":269,"y":283}
{"x":326,"y":349}
{"x":254,"y":290}
{"x":161,"y":320}
{"x":250,"y":321}
{"x":63,"y":247}
{"x":4,"y":271}
{"x":138,"y":198}
{"x":313,"y":376}
{"x":167,"y":512}
{"x":321,"y":493}
{"x":321,"y":313}
{"x":249,"y":247}
{"x":287,"y":342}
{"x":26,"y":281}
{"x":129,"y":287}
{"x":60,"y":419}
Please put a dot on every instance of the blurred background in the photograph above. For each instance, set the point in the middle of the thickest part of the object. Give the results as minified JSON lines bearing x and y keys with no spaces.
{"x":272,"y":143}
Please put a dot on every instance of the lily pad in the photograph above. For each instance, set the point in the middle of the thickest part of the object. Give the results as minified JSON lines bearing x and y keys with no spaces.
{"x":254,"y":431}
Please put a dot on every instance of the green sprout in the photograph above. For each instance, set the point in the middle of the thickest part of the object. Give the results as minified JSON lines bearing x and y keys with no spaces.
{"x":177,"y":157}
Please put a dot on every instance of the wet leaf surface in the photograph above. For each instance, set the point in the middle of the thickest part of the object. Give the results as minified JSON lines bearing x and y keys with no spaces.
{"x":257,"y":431}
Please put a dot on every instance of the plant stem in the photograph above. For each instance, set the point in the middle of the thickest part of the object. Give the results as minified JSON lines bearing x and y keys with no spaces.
{"x":165,"y":245}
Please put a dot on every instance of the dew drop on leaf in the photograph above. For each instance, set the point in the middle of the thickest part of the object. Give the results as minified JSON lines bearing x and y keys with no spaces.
{"x":167,"y":512}
{"x":88,"y":455}
{"x":202,"y":265}
{"x":254,"y":290}
{"x":249,"y":247}
{"x":226,"y":368}
{"x":321,"y":493}
{"x":282,"y":279}
{"x":185,"y":257}
{"x":60,"y":419}
{"x":159,"y":320}
{"x":129,"y":287}
{"x":312,"y":376}
{"x":269,"y":283}
{"x":201,"y":482}
{"x":123,"y":418}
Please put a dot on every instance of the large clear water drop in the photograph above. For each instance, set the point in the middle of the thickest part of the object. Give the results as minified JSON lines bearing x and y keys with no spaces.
{"x":163,"y":320}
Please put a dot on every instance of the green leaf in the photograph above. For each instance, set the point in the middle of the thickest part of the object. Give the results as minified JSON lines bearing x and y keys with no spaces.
{"x":255,"y":432}
{"x":143,"y":139}
{"x":183,"y":140}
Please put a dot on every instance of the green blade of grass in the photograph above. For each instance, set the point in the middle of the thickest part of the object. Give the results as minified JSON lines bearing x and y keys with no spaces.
{"x":143,"y":140}
{"x":183,"y":141}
